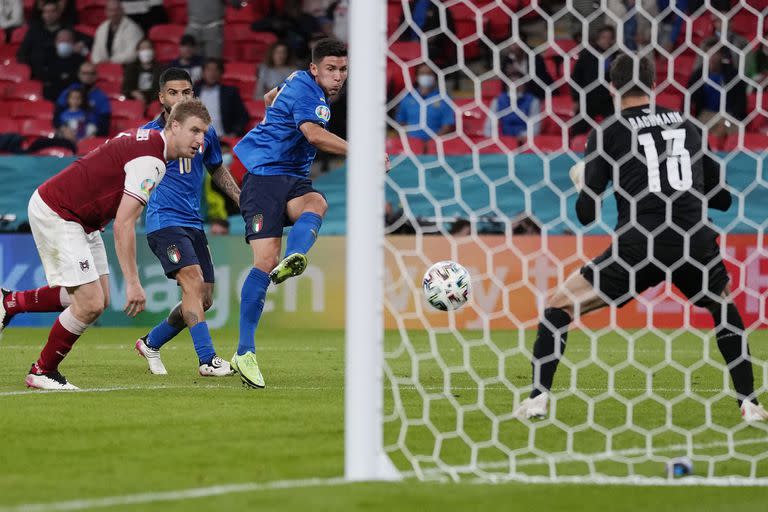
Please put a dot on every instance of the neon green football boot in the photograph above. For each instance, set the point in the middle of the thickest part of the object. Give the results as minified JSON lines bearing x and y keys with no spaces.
{"x":248,"y":369}
{"x":291,"y":266}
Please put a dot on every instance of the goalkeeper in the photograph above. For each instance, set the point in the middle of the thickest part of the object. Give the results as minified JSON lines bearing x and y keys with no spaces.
{"x":663,"y":184}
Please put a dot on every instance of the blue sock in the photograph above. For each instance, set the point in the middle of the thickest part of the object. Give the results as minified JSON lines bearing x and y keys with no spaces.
{"x":303,"y":234}
{"x":201,"y":337}
{"x":161,"y":334}
{"x":251,"y":305}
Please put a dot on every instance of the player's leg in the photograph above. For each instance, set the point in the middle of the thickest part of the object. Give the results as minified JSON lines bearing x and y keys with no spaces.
{"x":45,"y":299}
{"x":306,"y":212}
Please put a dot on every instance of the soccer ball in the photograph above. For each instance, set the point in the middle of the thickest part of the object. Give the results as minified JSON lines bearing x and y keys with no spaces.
{"x":447,"y":286}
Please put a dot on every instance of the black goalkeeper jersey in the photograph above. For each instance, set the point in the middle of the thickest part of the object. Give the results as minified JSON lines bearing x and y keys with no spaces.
{"x":662,"y":179}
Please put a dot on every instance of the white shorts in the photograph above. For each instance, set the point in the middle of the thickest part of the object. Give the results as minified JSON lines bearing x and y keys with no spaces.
{"x":71,"y":257}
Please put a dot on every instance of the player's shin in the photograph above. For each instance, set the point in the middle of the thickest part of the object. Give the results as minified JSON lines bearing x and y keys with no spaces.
{"x":549,"y":348}
{"x":303,"y":234}
{"x":733,"y":346}
{"x":251,"y":305}
{"x":64,"y":333}
{"x":166,"y":330}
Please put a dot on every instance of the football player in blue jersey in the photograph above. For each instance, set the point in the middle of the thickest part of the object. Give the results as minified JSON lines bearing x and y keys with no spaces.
{"x":175,"y":234}
{"x":277,"y":191}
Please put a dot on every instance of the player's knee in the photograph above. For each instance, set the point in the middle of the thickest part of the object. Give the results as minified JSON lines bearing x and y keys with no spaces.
{"x":266,"y":263}
{"x":91,"y":307}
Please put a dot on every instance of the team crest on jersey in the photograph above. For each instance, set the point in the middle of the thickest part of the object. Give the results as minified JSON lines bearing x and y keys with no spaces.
{"x":323,"y":113}
{"x":174,"y":254}
{"x":257,"y":223}
{"x":84,"y":265}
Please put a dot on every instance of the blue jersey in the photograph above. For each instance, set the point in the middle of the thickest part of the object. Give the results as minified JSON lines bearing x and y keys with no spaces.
{"x":176,"y":200}
{"x":276,"y":146}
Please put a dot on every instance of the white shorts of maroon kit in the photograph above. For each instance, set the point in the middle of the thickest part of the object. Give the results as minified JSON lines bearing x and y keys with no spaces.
{"x":71,"y":257}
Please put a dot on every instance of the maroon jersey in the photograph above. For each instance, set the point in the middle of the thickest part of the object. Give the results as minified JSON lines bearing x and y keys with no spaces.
{"x":90,"y":189}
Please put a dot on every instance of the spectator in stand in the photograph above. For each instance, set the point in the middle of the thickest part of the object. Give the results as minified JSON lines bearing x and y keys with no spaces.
{"x":757,"y":66}
{"x":670,"y":24}
{"x":274,"y":70}
{"x":637,"y":17}
{"x":188,"y":59}
{"x":39,"y":43}
{"x":338,"y":12}
{"x":438,"y":116}
{"x":706,"y":94}
{"x":426,"y":16}
{"x":290,"y":24}
{"x":206,"y":24}
{"x":228,"y":114}
{"x":11,"y":17}
{"x":117,"y":37}
{"x":76,"y":122}
{"x":62,"y":68}
{"x":590,"y":73}
{"x":67,"y":10}
{"x":519,"y":108}
{"x":146,"y":13}
{"x":97,"y":101}
{"x":516,"y":61}
{"x":141,"y":80}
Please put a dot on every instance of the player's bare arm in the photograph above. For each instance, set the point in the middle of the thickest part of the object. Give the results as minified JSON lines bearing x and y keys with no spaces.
{"x":324,"y":140}
{"x":125,"y":246}
{"x":269,"y":98}
{"x":224,"y":180}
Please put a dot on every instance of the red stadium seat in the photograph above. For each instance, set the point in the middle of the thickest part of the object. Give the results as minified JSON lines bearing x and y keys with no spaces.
{"x":18,"y":35}
{"x":473,"y":120}
{"x":127,"y":109}
{"x":548,"y":143}
{"x":407,"y":51}
{"x":166,"y":52}
{"x":89,"y":144}
{"x":413,"y":145}
{"x":394,"y":15}
{"x":578,"y":143}
{"x":756,"y":142}
{"x":110,"y":71}
{"x":110,"y":88}
{"x":177,"y":11}
{"x":14,"y":72}
{"x":505,"y":145}
{"x":56,"y":151}
{"x":120,"y":124}
{"x":8,"y":53}
{"x":8,"y":125}
{"x":453,"y":145}
{"x":86,"y":30}
{"x":256,"y":110}
{"x":36,"y":128}
{"x":33,"y":110}
{"x":29,"y":90}
{"x":491,"y":88}
{"x":234,"y":15}
{"x":92,"y":15}
{"x":242,"y":71}
{"x":253,"y":46}
{"x":670,"y":100}
{"x":167,"y":32}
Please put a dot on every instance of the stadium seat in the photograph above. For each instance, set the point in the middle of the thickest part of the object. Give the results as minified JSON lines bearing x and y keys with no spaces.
{"x":240,"y":71}
{"x":578,"y":143}
{"x":33,"y":110}
{"x":36,"y":128}
{"x":233,"y":15}
{"x":166,"y":32}
{"x":253,"y":46}
{"x":120,"y":124}
{"x":413,"y":145}
{"x":670,"y":100}
{"x":86,"y":30}
{"x":491,"y":88}
{"x":548,"y":142}
{"x":56,"y":151}
{"x":8,"y":53}
{"x":17,"y":37}
{"x":127,"y":109}
{"x":473,"y":120}
{"x":90,"y":143}
{"x":394,"y":15}
{"x":166,"y":52}
{"x":111,"y":88}
{"x":449,"y":146}
{"x":756,"y":142}
{"x":395,"y":79}
{"x":14,"y":72}
{"x":407,"y":51}
{"x":91,"y":12}
{"x":8,"y":125}
{"x":29,"y":90}
{"x":177,"y":11}
{"x":505,"y":145}
{"x":256,"y":110}
{"x":498,"y":24}
{"x":110,"y":71}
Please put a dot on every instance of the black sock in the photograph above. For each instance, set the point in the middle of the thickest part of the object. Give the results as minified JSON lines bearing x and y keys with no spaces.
{"x":732,"y":343}
{"x":545,"y":354}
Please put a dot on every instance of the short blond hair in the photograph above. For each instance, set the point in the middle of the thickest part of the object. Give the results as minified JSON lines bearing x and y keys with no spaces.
{"x":183,"y":110}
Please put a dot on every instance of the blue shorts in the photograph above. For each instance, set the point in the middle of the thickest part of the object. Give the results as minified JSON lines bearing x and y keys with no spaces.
{"x":263,"y":202}
{"x":179,"y":247}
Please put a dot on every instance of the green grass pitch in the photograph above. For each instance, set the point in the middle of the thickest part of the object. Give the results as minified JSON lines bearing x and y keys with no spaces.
{"x":137,"y":436}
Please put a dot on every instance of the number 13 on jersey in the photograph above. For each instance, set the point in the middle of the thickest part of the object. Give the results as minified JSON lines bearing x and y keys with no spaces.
{"x":679,"y":173}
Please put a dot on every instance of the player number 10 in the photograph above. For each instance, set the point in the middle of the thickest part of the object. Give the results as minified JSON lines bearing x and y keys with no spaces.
{"x":679,"y":172}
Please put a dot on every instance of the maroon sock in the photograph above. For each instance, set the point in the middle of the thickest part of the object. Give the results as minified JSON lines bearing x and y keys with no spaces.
{"x":59,"y":344}
{"x":45,"y":299}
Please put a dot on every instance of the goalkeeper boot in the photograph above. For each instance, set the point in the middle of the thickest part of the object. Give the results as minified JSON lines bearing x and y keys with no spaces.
{"x":533,"y":408}
{"x":152,"y":356}
{"x":751,"y":412}
{"x":216,"y":368}
{"x":291,"y":266}
{"x":50,"y":381}
{"x":248,"y":368}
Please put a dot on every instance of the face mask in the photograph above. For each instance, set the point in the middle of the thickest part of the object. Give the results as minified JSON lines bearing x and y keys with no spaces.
{"x":146,"y":56}
{"x":226,"y":159}
{"x":425,"y":81}
{"x":64,"y":49}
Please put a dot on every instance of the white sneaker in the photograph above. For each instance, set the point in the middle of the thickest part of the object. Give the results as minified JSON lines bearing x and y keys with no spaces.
{"x":753,"y":412}
{"x":217,"y":368}
{"x":50,"y":381}
{"x":152,"y":356}
{"x":532,"y":408}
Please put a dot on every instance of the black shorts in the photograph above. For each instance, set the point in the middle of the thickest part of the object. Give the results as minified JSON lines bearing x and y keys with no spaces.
{"x":263,"y":202}
{"x":179,"y":247}
{"x":626,"y":270}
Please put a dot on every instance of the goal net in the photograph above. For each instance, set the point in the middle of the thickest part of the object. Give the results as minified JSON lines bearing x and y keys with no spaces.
{"x":488,"y":108}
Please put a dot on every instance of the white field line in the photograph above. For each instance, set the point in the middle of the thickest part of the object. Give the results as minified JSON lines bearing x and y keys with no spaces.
{"x":219,"y":490}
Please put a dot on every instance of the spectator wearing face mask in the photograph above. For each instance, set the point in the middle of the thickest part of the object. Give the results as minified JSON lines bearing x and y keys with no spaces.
{"x":39,"y":43}
{"x":62,"y":69}
{"x":437,"y":118}
{"x":141,"y":80}
{"x":117,"y":37}
{"x":517,"y":61}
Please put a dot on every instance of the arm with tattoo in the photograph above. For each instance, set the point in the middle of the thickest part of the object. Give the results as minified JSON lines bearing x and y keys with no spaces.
{"x":224,"y":180}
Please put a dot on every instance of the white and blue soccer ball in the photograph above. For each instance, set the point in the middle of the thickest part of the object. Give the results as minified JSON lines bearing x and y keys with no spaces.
{"x":447,"y":286}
